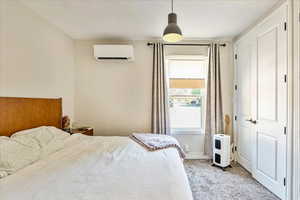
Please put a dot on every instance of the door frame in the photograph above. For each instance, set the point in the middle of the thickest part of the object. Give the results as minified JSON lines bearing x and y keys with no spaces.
{"x":294,"y":190}
{"x":293,"y":93}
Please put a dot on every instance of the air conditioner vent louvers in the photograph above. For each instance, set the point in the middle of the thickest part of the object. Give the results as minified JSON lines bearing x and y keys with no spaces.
{"x":112,"y":58}
{"x":113,"y":52}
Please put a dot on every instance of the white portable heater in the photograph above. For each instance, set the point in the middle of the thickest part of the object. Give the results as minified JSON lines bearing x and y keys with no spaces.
{"x":221,"y":151}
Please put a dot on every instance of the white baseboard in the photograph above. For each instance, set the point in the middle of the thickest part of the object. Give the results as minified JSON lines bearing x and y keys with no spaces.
{"x":196,"y":155}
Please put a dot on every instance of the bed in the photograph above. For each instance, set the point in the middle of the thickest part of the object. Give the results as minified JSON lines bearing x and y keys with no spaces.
{"x":88,"y":167}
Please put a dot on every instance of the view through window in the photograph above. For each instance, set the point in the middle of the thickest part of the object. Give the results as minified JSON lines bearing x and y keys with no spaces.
{"x":187,"y":92}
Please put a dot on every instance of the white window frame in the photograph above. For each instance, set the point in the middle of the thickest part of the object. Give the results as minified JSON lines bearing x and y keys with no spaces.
{"x":186,"y":131}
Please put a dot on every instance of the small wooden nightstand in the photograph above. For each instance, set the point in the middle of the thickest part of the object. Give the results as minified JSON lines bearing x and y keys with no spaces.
{"x":88,"y":131}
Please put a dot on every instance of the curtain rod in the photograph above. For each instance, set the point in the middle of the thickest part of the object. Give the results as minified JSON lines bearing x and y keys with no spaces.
{"x":207,"y":45}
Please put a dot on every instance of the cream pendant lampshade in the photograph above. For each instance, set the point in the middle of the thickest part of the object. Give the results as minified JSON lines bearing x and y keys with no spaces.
{"x":172,"y":32}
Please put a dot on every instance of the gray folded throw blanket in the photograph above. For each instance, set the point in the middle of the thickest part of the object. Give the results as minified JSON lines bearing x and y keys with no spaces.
{"x":154,"y":142}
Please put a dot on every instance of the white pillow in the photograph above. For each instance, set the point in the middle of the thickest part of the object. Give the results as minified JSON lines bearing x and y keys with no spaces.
{"x":17,"y":153}
{"x":50,"y":139}
{"x":3,"y":174}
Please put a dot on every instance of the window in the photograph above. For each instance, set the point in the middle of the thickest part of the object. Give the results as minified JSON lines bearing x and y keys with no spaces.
{"x":187,"y":91}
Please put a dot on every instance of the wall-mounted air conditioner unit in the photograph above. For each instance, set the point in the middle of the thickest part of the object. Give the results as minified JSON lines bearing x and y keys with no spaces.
{"x":113,"y":52}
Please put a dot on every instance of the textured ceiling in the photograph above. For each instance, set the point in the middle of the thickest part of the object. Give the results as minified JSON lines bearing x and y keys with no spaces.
{"x":146,"y":19}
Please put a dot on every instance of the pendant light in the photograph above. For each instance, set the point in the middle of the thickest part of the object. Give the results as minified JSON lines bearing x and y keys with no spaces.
{"x":172,"y":33}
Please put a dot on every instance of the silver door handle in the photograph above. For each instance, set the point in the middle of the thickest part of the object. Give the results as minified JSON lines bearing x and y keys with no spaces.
{"x":252,"y":121}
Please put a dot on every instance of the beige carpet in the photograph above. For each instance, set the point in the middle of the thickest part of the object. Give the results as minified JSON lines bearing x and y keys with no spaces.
{"x":210,"y":183}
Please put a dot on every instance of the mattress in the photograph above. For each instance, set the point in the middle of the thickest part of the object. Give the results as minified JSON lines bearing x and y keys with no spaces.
{"x":100,"y":168}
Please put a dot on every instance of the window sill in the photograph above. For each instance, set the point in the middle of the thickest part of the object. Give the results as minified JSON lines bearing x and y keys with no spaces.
{"x":187,"y":132}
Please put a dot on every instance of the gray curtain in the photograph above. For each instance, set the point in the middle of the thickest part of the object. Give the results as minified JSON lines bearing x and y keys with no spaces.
{"x":214,"y":111}
{"x":160,"y":110}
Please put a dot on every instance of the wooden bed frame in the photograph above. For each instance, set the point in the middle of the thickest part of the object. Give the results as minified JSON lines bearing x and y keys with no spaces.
{"x":18,"y":114}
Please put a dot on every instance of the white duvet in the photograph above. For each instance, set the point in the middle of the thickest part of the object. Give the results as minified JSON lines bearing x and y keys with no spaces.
{"x":100,"y":168}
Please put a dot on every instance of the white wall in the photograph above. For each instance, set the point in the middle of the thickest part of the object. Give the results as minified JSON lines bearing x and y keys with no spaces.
{"x":227,"y":81}
{"x":37,"y":59}
{"x":113,"y":97}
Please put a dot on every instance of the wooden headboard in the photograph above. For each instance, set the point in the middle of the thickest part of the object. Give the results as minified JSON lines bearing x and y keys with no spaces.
{"x":18,"y":114}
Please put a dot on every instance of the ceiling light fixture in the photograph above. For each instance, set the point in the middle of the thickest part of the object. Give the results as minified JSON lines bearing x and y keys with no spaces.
{"x":172,"y":33}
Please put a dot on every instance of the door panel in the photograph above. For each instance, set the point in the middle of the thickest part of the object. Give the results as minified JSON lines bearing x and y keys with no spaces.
{"x":243,"y":141}
{"x":266,"y":163}
{"x":269,"y":158}
{"x":243,"y":107}
{"x":267,"y":75}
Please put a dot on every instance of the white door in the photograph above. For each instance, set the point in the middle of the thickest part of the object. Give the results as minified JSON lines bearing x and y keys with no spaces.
{"x":243,"y":104}
{"x":269,"y":154}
